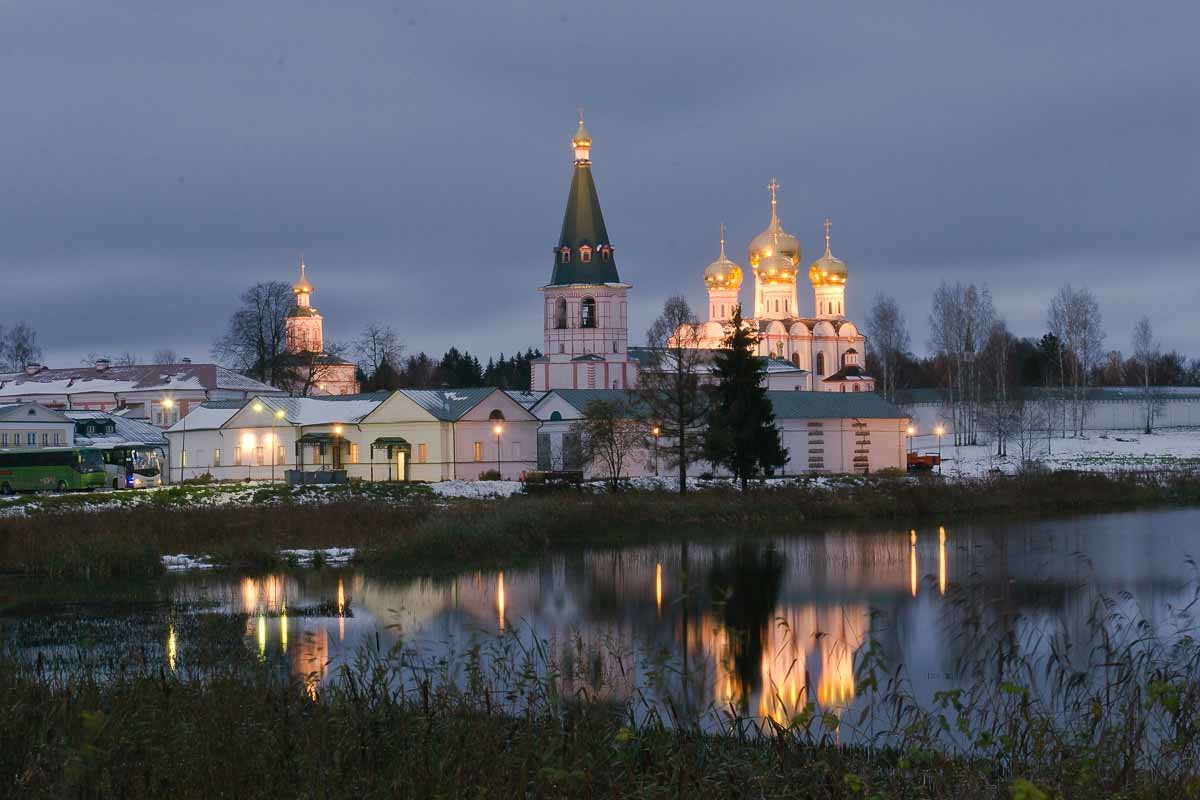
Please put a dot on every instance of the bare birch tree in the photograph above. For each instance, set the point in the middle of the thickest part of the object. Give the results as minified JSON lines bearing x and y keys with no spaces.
{"x":256,"y":341}
{"x":1146,"y":350}
{"x":887,"y":335}
{"x":669,"y":384}
{"x":18,"y":347}
{"x":959,"y":324}
{"x":1074,"y":318}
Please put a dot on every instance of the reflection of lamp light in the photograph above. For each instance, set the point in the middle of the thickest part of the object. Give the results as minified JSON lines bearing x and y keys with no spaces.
{"x":912,"y":562}
{"x":171,"y":648}
{"x":500,"y":599}
{"x":262,"y":636}
{"x":658,"y":585}
{"x":942,"y":559}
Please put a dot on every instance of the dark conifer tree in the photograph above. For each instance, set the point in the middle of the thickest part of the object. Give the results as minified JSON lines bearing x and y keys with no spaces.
{"x":741,"y":432}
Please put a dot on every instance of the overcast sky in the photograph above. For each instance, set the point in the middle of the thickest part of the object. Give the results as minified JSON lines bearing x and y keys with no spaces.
{"x":157,"y":158}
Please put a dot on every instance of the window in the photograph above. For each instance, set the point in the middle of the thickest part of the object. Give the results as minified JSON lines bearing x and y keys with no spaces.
{"x":3,"y":440}
{"x":795,"y":359}
{"x":281,"y":456}
{"x":616,"y":349}
{"x":31,"y":439}
{"x":585,"y":254}
{"x":514,"y":451}
{"x":587,"y":312}
{"x":560,"y":313}
{"x":565,"y":255}
{"x":216,"y":457}
{"x":353,"y":452}
{"x":496,"y":414}
{"x":45,"y":439}
{"x":856,"y":387}
{"x":604,"y":253}
{"x":555,"y":416}
{"x":776,"y":305}
{"x":820,"y":363}
{"x":422,"y":452}
{"x":722,"y":311}
{"x":258,"y":456}
{"x":58,"y":437}
{"x":479,"y":451}
{"x":237,"y":456}
{"x":785,"y":306}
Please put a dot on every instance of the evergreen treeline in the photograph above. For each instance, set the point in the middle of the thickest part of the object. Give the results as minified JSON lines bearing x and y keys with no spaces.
{"x":458,"y":369}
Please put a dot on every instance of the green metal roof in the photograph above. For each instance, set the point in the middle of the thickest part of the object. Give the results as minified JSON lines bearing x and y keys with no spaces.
{"x":583,"y":224}
{"x":832,"y":405}
{"x":448,"y":405}
{"x":580,"y":398}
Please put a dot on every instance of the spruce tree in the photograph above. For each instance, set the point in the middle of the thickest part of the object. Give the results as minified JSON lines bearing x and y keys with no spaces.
{"x":741,"y":433}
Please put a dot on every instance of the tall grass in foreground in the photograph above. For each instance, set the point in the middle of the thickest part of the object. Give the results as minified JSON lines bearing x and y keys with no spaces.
{"x":1120,"y":719}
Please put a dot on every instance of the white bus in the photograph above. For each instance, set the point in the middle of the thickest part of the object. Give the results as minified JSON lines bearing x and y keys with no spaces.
{"x":133,"y":466}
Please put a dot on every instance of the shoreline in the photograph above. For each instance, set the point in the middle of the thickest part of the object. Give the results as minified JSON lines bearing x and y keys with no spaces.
{"x":411,"y":528}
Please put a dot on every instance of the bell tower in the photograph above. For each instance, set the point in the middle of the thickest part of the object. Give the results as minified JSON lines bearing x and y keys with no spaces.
{"x":585,"y":305}
{"x":304,"y":323}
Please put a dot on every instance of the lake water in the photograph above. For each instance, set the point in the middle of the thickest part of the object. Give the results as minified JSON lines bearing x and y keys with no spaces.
{"x":757,"y":623}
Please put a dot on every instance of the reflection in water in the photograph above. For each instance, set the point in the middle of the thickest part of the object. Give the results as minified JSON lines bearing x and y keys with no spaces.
{"x":658,"y":586}
{"x":912,"y":562}
{"x":341,"y":610}
{"x":764,"y":625}
{"x":942,"y":560}
{"x":500,"y":599}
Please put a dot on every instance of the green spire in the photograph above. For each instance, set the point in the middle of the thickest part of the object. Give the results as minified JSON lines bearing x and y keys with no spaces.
{"x":583,"y":226}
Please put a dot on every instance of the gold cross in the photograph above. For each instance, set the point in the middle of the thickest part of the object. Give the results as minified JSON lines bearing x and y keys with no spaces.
{"x":828,"y":225}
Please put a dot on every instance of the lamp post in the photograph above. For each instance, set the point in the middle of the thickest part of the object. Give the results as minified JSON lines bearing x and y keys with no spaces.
{"x":939,"y":431}
{"x":498,"y":429}
{"x":656,"y":431}
{"x":167,"y":404}
{"x":911,"y":433}
{"x":337,"y":450}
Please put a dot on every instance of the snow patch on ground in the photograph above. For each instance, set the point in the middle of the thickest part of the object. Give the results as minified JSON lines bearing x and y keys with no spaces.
{"x":1098,"y":451}
{"x":183,"y":562}
{"x":477,"y":489}
{"x":329,"y":556}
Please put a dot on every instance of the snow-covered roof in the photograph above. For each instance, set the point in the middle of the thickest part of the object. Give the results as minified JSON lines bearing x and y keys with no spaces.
{"x":125,"y":430}
{"x":206,"y":417}
{"x":135,"y":378}
{"x":526,"y":400}
{"x":448,"y":405}
{"x":324,"y":410}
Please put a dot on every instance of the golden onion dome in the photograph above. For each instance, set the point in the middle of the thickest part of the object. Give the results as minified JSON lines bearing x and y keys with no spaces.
{"x":774,"y":240}
{"x":723,"y":273}
{"x":828,"y":270}
{"x":581,"y":138}
{"x":775,"y":268}
{"x":302,"y":286}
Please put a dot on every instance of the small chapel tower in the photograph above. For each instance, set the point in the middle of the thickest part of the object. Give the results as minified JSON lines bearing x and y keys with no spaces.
{"x":723,"y":278}
{"x":304,"y":324}
{"x":585,"y":305}
{"x":828,"y":277}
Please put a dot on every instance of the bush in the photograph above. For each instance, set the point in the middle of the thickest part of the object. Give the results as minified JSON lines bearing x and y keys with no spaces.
{"x":490,"y":475}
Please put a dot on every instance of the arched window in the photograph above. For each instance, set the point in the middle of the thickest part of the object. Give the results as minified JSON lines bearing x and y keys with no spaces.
{"x":820,"y":363}
{"x":777,"y":306}
{"x":722,"y":311}
{"x":795,"y":359}
{"x":785,"y":307}
{"x":565,"y":255}
{"x":556,"y":416}
{"x":585,"y":254}
{"x":604,"y":253}
{"x":856,"y":387}
{"x":587,"y":317}
{"x":496,"y":414}
{"x":560,"y":313}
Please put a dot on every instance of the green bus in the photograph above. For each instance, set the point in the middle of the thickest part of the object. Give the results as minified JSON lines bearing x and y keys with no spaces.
{"x":61,"y":469}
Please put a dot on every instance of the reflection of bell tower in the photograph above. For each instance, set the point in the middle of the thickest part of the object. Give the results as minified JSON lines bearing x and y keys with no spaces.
{"x":304,"y":334}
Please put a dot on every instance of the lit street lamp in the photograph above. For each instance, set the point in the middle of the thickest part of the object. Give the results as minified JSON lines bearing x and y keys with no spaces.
{"x":940,"y":431}
{"x":337,"y":451}
{"x":498,"y":429}
{"x":167,"y":404}
{"x":275,"y":417}
{"x":911,"y":433}
{"x":656,"y":431}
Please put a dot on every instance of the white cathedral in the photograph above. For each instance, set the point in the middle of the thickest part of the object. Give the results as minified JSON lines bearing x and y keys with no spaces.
{"x":585,"y":305}
{"x":826,"y":346}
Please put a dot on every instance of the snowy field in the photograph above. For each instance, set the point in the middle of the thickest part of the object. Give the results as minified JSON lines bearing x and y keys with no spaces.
{"x":1106,"y":451}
